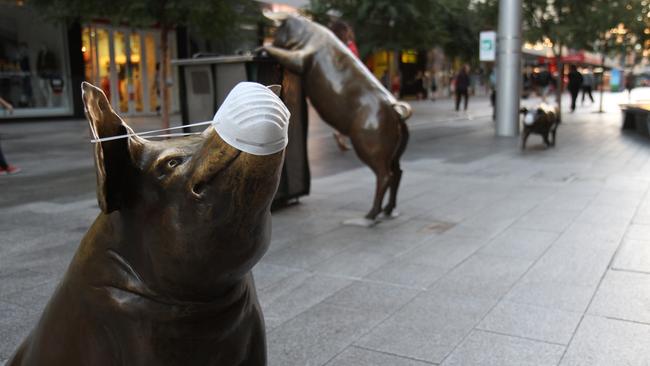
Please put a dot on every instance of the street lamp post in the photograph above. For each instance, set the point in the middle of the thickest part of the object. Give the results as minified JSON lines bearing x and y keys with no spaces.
{"x":508,"y":68}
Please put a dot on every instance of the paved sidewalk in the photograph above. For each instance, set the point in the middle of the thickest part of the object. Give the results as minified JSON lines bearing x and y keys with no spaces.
{"x":500,"y":257}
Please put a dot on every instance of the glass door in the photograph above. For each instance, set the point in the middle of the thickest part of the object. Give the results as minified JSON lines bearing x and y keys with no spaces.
{"x":125,"y":63}
{"x":97,"y":60}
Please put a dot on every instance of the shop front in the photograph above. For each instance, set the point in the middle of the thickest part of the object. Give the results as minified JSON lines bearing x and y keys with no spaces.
{"x":35,"y":76}
{"x":126,"y":64}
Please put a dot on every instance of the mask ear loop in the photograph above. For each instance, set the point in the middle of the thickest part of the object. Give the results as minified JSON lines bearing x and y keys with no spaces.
{"x":146,"y":133}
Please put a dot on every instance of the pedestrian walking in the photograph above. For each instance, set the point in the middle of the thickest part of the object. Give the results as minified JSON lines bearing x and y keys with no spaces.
{"x":493,"y":93}
{"x":544,"y":80}
{"x":420,"y":90}
{"x":629,"y":85}
{"x":433,"y":87}
{"x":575,"y":84}
{"x":5,"y":167}
{"x":462,"y":87}
{"x":588,"y":82}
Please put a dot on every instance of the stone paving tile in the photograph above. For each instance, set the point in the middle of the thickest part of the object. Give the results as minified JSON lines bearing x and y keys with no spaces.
{"x":428,"y":328}
{"x":588,"y":236}
{"x":355,"y":356}
{"x":553,"y":295}
{"x":634,"y":255}
{"x":33,"y":299}
{"x":602,"y":214}
{"x":573,"y":266}
{"x":567,"y":201}
{"x":357,"y":261}
{"x":374,"y":297}
{"x":15,"y":324}
{"x":552,"y":220}
{"x":519,"y":243}
{"x":483,"y":276}
{"x":445,"y":252}
{"x":295,"y":294}
{"x":15,"y":280}
{"x":310,"y":252}
{"x":488,"y":349}
{"x":607,"y":342}
{"x":266,"y":274}
{"x":320,"y":333}
{"x":400,"y":272}
{"x":638,"y":232}
{"x":532,"y":322}
{"x":623,"y":295}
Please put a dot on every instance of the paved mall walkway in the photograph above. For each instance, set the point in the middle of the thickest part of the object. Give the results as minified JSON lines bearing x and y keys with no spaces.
{"x":500,"y":257}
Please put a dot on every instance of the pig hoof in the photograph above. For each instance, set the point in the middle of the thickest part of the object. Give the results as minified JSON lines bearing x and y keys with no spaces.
{"x":393,"y":215}
{"x":362,"y":222}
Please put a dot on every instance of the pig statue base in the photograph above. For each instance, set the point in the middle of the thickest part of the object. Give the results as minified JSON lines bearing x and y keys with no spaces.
{"x":163,"y":276}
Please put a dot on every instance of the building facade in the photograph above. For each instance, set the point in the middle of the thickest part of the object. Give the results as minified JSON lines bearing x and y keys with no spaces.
{"x":42,"y":64}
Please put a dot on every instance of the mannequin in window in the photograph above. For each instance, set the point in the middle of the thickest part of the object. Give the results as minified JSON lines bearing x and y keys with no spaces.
{"x":46,"y":68}
{"x":26,"y":77}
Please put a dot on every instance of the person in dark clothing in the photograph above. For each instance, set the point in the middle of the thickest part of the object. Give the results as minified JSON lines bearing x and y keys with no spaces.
{"x":629,"y":85}
{"x":575,"y":84}
{"x":6,"y":168}
{"x":544,"y":81}
{"x":462,"y":87}
{"x":588,"y":82}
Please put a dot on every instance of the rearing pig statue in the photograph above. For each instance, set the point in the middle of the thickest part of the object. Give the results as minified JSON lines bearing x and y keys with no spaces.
{"x":349,"y":98}
{"x":163,"y":276}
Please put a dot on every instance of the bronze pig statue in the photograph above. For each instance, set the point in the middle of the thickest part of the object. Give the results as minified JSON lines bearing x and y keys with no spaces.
{"x":349,"y":98}
{"x":543,"y":121}
{"x":163,"y":276}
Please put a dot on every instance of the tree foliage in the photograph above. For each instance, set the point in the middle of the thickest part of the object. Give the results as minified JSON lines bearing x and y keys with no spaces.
{"x":421,"y":24}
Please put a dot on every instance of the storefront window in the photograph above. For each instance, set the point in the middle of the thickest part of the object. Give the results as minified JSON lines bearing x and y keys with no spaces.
{"x":126,"y":63}
{"x":153,"y":72}
{"x":34,"y":75}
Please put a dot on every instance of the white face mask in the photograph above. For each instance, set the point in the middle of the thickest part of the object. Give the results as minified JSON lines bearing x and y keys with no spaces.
{"x":253,"y":119}
{"x":529,"y":118}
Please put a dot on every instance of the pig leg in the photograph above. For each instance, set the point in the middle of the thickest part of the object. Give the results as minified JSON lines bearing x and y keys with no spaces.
{"x":397,"y":171}
{"x":546,"y":141}
{"x":524,"y":137}
{"x":380,"y":163}
{"x":384,"y":180}
{"x":292,"y":60}
{"x":553,"y":134}
{"x":384,"y":177}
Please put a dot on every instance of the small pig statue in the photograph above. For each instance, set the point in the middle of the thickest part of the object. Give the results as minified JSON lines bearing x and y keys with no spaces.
{"x":542,"y":121}
{"x":163,"y":276}
{"x":349,"y":98}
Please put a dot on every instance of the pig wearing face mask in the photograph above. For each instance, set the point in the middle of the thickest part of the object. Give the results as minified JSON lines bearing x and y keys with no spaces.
{"x":163,"y":276}
{"x":543,"y":121}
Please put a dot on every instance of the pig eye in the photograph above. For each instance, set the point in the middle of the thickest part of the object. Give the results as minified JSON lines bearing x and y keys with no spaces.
{"x":173,"y":162}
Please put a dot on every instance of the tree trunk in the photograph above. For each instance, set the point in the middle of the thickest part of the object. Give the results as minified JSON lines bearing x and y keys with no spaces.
{"x":602,"y":80}
{"x":164,"y":75}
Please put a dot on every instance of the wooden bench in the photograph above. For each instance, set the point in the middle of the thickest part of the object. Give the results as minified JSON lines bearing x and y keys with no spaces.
{"x":636,"y":116}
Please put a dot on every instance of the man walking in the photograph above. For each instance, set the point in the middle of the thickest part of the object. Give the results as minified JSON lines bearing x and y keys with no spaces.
{"x":544,"y":80}
{"x":462,"y":87}
{"x":575,"y":84}
{"x":587,"y":84}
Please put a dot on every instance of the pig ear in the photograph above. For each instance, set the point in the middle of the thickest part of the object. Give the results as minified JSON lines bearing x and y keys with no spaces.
{"x":275,"y":88}
{"x":112,"y":158}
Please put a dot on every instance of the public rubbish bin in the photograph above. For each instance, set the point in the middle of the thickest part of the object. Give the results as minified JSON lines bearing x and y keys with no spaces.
{"x":205,"y":83}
